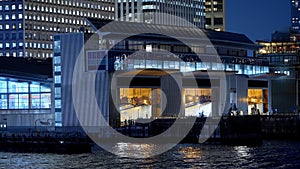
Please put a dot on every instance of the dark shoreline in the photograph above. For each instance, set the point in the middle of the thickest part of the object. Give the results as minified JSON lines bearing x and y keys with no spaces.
{"x":237,"y":130}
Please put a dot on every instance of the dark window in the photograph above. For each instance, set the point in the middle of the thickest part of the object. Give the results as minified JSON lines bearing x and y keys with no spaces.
{"x":21,"y":36}
{"x":208,"y":21}
{"x":218,"y":21}
{"x":14,"y":36}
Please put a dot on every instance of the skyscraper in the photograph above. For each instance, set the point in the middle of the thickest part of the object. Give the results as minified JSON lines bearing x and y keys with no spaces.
{"x":295,"y":16}
{"x":145,"y":11}
{"x":27,"y":26}
{"x":215,"y":15}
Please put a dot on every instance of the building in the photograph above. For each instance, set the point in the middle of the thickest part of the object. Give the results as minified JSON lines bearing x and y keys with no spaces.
{"x":150,"y":11}
{"x":295,"y":16}
{"x":27,"y":26}
{"x":25,"y":94}
{"x":215,"y":15}
{"x":133,"y":73}
{"x":283,"y":55}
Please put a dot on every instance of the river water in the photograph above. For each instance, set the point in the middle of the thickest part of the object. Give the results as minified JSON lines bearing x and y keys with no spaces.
{"x":272,"y":154}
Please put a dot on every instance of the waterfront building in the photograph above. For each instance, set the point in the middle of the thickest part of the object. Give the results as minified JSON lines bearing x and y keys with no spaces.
{"x":215,"y":15}
{"x":25,"y":94}
{"x":283,"y":55}
{"x":145,"y":68}
{"x":146,"y":11}
{"x":27,"y":26}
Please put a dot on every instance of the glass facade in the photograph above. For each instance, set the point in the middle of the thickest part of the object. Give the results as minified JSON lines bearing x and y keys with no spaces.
{"x":15,"y":94}
{"x":152,"y":11}
{"x":27,"y":27}
{"x":183,"y":66}
{"x":11,"y":28}
{"x":57,"y":80}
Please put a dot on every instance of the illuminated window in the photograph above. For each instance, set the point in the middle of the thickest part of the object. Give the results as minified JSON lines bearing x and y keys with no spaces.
{"x":20,"y":16}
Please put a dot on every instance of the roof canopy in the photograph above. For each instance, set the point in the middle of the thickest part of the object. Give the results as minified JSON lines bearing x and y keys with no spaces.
{"x":109,"y":29}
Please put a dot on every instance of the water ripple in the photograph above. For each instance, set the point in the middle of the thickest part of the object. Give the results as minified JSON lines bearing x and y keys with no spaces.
{"x":272,"y":154}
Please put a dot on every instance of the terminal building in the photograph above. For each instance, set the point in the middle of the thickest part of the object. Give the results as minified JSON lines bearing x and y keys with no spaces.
{"x":25,"y":94}
{"x":283,"y":55}
{"x":166,"y":72}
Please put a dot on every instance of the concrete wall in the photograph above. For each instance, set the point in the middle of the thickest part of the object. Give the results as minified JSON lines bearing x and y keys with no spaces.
{"x":238,"y":92}
{"x":22,"y":118}
{"x":171,"y":85}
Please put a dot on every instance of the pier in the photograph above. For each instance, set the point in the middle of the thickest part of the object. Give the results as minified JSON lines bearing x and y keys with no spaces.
{"x":228,"y":130}
{"x":46,"y":142}
{"x":281,"y":126}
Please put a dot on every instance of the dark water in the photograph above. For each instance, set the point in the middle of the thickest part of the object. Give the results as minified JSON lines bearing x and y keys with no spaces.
{"x":272,"y":154}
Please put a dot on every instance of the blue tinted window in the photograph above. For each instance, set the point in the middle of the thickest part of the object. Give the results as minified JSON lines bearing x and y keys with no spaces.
{"x":34,"y":88}
{"x":3,"y":86}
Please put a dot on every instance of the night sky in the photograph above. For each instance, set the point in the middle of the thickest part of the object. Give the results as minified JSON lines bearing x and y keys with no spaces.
{"x":257,"y":19}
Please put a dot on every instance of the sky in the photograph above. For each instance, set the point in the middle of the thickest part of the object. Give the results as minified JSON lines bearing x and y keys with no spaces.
{"x":257,"y":19}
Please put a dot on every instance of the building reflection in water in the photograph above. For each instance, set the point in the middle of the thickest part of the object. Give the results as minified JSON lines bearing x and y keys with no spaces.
{"x":190,"y":153}
{"x":242,"y":151}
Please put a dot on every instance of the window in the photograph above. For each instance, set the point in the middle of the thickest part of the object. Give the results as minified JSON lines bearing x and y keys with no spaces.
{"x":20,"y":16}
{"x":57,"y":92}
{"x":3,"y":86}
{"x":13,"y":101}
{"x":17,"y":87}
{"x":57,"y":79}
{"x":57,"y":103}
{"x":14,"y":44}
{"x":35,"y":101}
{"x":3,"y":101}
{"x":23,"y":101}
{"x":45,"y":100}
{"x":16,"y":95}
{"x":218,"y":21}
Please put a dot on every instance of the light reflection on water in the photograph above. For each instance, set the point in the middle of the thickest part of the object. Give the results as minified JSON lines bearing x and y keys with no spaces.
{"x":272,"y":154}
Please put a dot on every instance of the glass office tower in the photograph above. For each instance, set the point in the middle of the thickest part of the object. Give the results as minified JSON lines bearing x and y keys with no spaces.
{"x":27,"y":26}
{"x":144,"y":11}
